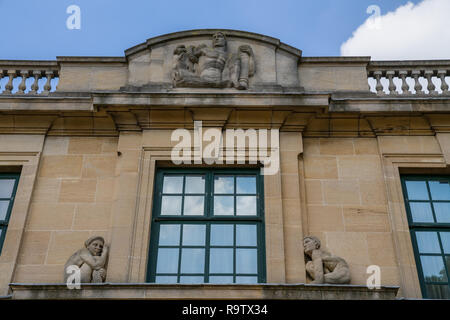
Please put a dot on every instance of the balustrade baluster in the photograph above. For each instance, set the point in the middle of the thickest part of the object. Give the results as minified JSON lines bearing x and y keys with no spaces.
{"x":405,"y":88}
{"x":431,"y":87}
{"x":35,"y":86}
{"x":379,"y":86}
{"x":48,"y":85}
{"x":23,"y":86}
{"x":418,"y":86}
{"x":392,"y":89}
{"x":9,"y":86}
{"x":444,"y":86}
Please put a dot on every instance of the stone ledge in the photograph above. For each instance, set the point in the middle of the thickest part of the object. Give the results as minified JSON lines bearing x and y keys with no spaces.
{"x":201,"y":291}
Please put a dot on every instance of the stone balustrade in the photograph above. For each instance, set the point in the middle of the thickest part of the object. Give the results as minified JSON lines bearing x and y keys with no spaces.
{"x":28,"y":77}
{"x":411,"y":78}
{"x":428,"y":77}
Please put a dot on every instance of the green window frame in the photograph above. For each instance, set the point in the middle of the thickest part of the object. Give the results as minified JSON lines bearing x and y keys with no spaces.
{"x":207,"y":227}
{"x":8,"y":188}
{"x":427,"y":201}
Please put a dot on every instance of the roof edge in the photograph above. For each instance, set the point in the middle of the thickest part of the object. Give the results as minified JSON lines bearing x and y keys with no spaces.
{"x":209,"y":32}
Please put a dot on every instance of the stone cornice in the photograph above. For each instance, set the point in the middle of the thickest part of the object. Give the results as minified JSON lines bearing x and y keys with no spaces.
{"x":389,"y":104}
{"x":45,"y":103}
{"x":335,"y":60}
{"x":234,"y":100}
{"x":398,"y":64}
{"x":94,"y":60}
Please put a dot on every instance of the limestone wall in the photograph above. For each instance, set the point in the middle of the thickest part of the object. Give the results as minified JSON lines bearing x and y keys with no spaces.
{"x":344,"y":190}
{"x":346,"y":203}
{"x":72,"y":200}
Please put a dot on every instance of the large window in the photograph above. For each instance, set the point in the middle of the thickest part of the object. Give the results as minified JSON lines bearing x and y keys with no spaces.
{"x":8,"y":186}
{"x":428,"y":205}
{"x":207,"y":227}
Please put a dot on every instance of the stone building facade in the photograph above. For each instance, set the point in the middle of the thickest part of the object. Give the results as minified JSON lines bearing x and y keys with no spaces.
{"x":357,"y":142}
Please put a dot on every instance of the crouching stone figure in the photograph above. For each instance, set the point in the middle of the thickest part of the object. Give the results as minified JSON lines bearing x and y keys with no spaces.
{"x":91,"y":261}
{"x":324,"y":267}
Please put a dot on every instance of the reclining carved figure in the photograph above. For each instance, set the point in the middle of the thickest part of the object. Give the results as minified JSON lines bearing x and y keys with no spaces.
{"x":213,"y":67}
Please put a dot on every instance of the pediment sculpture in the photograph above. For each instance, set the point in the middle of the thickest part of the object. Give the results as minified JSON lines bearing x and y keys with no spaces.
{"x":213,"y":67}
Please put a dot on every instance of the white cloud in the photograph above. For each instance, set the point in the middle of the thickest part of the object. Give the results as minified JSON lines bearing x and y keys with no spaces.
{"x":420,"y":31}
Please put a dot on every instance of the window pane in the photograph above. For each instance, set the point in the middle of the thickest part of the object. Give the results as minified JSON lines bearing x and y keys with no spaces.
{"x":6,"y":187}
{"x":173,"y":184}
{"x":442,"y":211}
{"x":192,"y":248}
{"x":169,"y":235}
{"x":167,"y":261}
{"x":246,"y":206}
{"x":439,"y":190}
{"x":247,"y":280}
{"x":224,"y":205}
{"x":166,"y":279}
{"x":195,"y":184}
{"x":221,"y":261}
{"x":3,"y":209}
{"x":433,"y":269}
{"x":445,"y":239}
{"x":421,"y":212}
{"x":220,"y":279}
{"x":222,"y":234}
{"x":246,"y":184}
{"x":192,"y":260}
{"x":417,"y":190}
{"x":193,"y":205}
{"x":194,"y":235}
{"x":192,"y":279}
{"x":223,"y":184}
{"x":245,"y":235}
{"x":246,"y":261}
{"x":428,"y":242}
{"x":435,"y":291}
{"x":171,"y":205}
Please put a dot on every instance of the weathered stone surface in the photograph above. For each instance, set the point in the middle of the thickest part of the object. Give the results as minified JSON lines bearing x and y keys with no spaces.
{"x":275,"y":63}
{"x":202,"y":291}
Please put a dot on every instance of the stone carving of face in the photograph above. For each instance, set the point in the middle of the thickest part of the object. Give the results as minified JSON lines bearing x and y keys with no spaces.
{"x":310,"y":245}
{"x":95,"y":247}
{"x":218,"y":40}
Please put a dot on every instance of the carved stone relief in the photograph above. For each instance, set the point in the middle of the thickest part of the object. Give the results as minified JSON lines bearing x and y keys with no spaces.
{"x":213,"y":67}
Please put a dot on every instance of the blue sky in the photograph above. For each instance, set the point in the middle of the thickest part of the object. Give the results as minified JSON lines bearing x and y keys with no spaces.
{"x":35,"y":30}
